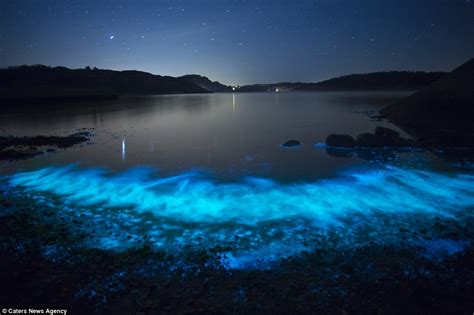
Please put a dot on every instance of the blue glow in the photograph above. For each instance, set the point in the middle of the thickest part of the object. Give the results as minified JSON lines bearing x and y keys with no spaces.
{"x":260,"y":218}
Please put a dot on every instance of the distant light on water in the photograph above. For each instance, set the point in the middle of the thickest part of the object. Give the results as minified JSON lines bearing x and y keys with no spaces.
{"x":266,"y":216}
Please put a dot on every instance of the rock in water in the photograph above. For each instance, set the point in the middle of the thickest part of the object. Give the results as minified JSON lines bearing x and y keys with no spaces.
{"x":340,"y":141}
{"x":291,"y":144}
{"x":369,"y":140}
{"x":389,"y":136}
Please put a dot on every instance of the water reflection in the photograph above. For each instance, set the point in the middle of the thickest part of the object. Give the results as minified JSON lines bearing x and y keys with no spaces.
{"x":201,"y":130}
{"x":123,"y":149}
{"x":233,"y":102}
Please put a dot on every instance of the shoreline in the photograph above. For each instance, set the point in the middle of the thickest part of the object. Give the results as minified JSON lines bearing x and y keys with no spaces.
{"x":16,"y":148}
{"x":47,"y":257}
{"x":49,"y":263}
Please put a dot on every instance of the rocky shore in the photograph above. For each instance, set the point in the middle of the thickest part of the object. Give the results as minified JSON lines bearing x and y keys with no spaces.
{"x":44,"y":262}
{"x":14,"y":148}
{"x":388,"y":138}
{"x":384,"y":145}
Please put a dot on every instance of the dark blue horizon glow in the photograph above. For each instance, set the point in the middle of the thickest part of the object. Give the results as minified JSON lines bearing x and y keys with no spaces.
{"x":240,"y":42}
{"x":261,"y":218}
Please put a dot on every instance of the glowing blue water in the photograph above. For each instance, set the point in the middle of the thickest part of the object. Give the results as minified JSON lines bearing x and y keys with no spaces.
{"x":260,"y":218}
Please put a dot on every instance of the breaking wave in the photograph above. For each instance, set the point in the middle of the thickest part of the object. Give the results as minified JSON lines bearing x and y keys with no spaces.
{"x":261,"y":218}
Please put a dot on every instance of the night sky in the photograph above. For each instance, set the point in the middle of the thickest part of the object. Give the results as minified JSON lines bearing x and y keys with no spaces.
{"x":239,"y":42}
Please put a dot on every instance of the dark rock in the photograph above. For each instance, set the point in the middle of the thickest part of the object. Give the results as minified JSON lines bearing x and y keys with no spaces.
{"x":340,"y":141}
{"x":339,"y":152}
{"x":389,"y":136}
{"x":369,"y":140}
{"x":291,"y":144}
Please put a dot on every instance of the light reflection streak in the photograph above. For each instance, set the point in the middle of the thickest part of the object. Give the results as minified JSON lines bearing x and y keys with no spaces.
{"x":124,"y":156}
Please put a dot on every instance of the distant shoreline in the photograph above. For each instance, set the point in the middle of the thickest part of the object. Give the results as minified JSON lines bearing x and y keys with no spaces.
{"x":56,"y":98}
{"x":39,"y":83}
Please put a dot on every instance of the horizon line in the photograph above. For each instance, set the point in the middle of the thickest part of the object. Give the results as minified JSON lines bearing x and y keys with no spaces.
{"x":221,"y":82}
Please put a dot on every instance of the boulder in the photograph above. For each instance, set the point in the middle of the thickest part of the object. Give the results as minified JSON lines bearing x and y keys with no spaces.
{"x":389,"y":136}
{"x":291,"y":144}
{"x":340,"y":141}
{"x":369,"y":140}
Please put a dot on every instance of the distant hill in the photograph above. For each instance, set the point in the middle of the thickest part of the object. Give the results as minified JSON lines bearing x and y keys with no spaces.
{"x":38,"y":81}
{"x":446,"y":103}
{"x":205,"y":83}
{"x":389,"y":80}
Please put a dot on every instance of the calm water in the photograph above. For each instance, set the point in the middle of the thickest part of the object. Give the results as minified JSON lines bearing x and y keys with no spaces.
{"x":228,"y":134}
{"x":207,"y":170}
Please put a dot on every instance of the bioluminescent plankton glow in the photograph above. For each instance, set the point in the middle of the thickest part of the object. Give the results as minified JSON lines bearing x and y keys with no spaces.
{"x":263,"y":219}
